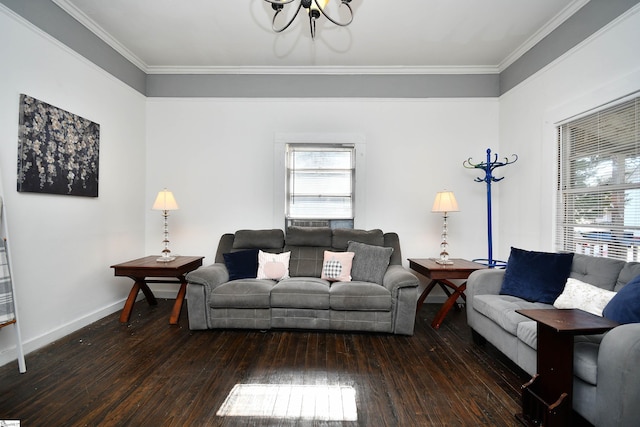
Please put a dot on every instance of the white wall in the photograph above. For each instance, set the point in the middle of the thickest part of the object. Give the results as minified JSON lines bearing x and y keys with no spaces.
{"x":62,"y":246}
{"x":603,"y":68}
{"x":217,"y":156}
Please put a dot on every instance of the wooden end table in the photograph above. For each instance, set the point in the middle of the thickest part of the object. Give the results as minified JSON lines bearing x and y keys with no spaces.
{"x":142,"y":268}
{"x":549,"y":394}
{"x":440,"y":274}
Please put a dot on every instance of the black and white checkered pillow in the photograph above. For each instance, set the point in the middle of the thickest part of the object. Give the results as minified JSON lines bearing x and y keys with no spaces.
{"x":332,"y":268}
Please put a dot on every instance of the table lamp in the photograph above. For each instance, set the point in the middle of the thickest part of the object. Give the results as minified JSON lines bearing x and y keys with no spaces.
{"x":165,"y":202}
{"x":445,"y":202}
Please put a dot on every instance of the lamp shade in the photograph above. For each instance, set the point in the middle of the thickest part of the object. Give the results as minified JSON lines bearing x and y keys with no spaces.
{"x":165,"y":201}
{"x":445,"y":202}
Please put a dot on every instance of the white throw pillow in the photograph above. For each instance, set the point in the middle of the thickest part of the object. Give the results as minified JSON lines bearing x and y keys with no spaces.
{"x":336,"y":266}
{"x":273,"y":266}
{"x":584,"y":296}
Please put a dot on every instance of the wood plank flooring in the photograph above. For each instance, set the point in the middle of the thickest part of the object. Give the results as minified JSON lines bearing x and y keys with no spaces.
{"x":148,"y":373}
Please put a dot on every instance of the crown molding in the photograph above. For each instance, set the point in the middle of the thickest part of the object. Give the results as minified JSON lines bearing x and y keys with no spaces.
{"x":543,"y":32}
{"x":326,"y":70}
{"x":101,"y":33}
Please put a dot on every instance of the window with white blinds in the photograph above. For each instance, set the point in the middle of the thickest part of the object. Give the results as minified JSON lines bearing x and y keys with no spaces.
{"x":599,"y":183}
{"x":320,"y":181}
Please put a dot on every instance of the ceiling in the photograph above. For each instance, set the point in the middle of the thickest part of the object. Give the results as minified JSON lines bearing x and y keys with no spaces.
{"x":407,"y":36}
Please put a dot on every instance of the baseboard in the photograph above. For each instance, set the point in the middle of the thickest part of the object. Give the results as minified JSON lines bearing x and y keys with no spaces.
{"x":9,"y":354}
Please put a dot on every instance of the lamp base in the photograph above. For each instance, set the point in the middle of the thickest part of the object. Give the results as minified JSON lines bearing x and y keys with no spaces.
{"x":165,"y":259}
{"x":444,"y":261}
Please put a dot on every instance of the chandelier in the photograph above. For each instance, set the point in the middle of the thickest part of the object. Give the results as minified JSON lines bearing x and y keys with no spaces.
{"x":315,"y":9}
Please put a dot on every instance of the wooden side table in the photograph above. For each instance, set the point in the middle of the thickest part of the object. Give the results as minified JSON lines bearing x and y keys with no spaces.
{"x":142,"y":268}
{"x":440,"y":274}
{"x":548,"y":398}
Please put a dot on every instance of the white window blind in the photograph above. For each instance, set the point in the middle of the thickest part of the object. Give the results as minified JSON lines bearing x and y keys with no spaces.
{"x":599,"y":183}
{"x":320,"y":181}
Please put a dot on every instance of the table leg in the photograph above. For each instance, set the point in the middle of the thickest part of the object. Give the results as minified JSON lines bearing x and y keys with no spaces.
{"x":177,"y":306}
{"x":445,"y":285}
{"x":139,"y":285}
{"x":426,"y":292}
{"x":128,"y":305}
{"x":555,"y":363}
{"x":151,"y":299}
{"x":459,"y":292}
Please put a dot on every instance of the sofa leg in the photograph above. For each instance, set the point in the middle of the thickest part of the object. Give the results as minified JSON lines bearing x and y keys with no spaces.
{"x":477,"y":338}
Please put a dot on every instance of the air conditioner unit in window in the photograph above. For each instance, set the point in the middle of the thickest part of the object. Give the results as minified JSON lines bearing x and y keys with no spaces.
{"x":308,"y":223}
{"x":329,"y":223}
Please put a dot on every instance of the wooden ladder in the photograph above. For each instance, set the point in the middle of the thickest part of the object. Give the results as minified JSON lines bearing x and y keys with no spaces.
{"x":8,"y":305}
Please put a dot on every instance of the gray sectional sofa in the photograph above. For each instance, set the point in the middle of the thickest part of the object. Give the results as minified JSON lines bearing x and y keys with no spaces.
{"x":304,"y":300}
{"x":606,"y":388}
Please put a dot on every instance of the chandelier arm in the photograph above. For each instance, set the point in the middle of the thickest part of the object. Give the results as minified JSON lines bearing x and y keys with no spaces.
{"x":279,"y":2}
{"x":341,"y":24}
{"x":275,"y":15}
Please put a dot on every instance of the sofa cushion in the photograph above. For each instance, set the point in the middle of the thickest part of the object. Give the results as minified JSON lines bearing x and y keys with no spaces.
{"x":273,"y":266}
{"x":502,"y":310}
{"x":242,"y":264}
{"x":243,"y":293}
{"x":625,"y":306}
{"x":586,"y":297}
{"x":597,"y":271}
{"x":392,"y":240}
{"x":585,"y":361}
{"x":527,"y":332}
{"x":630,"y":271}
{"x":258,"y":239}
{"x":308,"y":236}
{"x":536,"y":276}
{"x":359,"y":296}
{"x":301,"y":292}
{"x":369,"y":262}
{"x":305,"y":261}
{"x":336,"y":266}
{"x":342,"y":237}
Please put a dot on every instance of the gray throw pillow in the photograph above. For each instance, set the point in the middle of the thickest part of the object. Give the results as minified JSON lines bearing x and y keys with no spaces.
{"x":369,"y":262}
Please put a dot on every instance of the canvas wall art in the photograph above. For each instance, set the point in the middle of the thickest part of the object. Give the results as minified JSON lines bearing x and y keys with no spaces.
{"x":58,"y":151}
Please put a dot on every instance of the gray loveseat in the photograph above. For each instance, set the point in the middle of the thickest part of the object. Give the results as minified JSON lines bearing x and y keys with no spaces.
{"x":304,"y":300}
{"x":606,"y":388}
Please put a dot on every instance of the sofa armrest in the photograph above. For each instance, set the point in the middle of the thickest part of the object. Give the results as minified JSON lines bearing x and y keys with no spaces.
{"x":397,"y":277}
{"x":403,"y":286}
{"x":488,"y":281}
{"x":209,"y":276}
{"x":481,"y":282}
{"x":618,"y":391}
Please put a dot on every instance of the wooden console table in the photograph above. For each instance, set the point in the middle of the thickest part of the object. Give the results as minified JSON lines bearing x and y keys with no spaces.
{"x":547,"y":398}
{"x":440,"y":274}
{"x":140,"y":269}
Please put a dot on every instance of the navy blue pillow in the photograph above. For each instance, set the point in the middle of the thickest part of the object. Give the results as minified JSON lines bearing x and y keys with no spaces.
{"x":624,"y":307}
{"x":242,"y":264}
{"x":536,"y":276}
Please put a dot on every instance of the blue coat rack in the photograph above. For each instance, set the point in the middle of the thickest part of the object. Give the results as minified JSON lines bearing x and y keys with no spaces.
{"x":489,"y":166}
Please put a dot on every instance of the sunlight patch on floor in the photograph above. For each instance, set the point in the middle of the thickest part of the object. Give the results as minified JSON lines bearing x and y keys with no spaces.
{"x":317,"y":402}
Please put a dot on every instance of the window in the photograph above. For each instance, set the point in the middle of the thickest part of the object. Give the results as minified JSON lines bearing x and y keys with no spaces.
{"x":599,"y":183}
{"x":320,"y":184}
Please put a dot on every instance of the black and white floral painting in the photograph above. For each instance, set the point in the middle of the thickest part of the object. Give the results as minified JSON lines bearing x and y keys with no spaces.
{"x":58,"y":151}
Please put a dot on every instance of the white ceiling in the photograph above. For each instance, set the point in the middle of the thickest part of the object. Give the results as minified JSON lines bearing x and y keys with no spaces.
{"x":401,"y":36}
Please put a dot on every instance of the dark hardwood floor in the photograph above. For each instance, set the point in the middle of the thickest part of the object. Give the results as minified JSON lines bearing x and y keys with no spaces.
{"x":148,"y":373}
